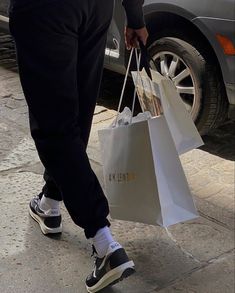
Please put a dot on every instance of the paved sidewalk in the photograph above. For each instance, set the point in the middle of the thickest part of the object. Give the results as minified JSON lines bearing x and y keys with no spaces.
{"x":193,"y":257}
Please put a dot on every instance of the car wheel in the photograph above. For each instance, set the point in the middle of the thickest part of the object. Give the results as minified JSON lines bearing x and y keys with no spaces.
{"x":197,"y":81}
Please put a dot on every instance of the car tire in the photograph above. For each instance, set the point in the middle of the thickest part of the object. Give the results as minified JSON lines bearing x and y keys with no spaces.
{"x":207,"y":99}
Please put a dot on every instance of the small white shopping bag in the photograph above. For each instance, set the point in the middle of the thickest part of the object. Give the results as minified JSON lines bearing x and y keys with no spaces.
{"x":182,"y":127}
{"x":183,"y":130}
{"x":144,"y":179}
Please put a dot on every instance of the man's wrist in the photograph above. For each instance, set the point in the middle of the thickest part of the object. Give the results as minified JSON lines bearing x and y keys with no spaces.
{"x":134,"y":14}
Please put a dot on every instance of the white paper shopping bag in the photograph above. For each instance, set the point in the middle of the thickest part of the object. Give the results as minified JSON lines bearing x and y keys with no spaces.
{"x":181,"y":125}
{"x":144,"y":179}
{"x":183,"y":130}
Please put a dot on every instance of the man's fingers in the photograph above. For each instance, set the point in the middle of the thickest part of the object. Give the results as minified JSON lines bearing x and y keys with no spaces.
{"x":134,"y":42}
{"x":143,"y":40}
{"x":128,"y":44}
{"x":132,"y":36}
{"x":142,"y":35}
{"x":128,"y":36}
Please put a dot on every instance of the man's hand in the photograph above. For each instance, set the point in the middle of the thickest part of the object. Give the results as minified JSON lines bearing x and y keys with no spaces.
{"x":133,"y":35}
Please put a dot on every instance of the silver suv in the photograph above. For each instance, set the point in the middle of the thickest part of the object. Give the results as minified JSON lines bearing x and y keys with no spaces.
{"x":193,"y":42}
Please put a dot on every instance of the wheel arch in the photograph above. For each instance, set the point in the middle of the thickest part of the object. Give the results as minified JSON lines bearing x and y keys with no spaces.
{"x":166,"y":18}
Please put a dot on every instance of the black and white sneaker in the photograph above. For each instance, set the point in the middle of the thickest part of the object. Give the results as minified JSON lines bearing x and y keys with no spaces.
{"x":112,"y":268}
{"x":50,"y":221}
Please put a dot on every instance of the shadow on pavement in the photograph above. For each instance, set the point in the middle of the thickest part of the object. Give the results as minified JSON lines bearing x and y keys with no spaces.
{"x":7,"y":52}
{"x":110,"y":290}
{"x":221,"y":141}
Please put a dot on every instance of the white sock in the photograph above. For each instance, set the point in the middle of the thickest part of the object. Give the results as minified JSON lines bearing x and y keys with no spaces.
{"x":102,"y":240}
{"x":47,"y":204}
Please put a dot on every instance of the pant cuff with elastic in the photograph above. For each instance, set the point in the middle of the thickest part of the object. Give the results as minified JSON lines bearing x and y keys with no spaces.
{"x":91,"y":231}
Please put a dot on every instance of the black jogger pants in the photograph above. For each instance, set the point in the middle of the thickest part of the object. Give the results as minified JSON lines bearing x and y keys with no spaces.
{"x":60,"y":52}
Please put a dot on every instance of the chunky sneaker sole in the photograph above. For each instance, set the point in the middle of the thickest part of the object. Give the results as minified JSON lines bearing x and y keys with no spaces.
{"x":49,"y":224}
{"x":111,"y":269}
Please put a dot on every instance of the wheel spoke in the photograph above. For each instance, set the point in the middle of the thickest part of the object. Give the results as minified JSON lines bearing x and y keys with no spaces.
{"x":163,"y":64}
{"x":182,"y":75}
{"x":173,"y":66}
{"x":186,"y":90}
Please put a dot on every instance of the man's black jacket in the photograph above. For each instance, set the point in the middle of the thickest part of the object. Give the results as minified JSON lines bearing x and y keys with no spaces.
{"x":134,"y":12}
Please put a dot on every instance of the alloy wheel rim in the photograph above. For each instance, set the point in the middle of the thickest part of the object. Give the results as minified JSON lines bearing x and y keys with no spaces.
{"x":173,"y":67}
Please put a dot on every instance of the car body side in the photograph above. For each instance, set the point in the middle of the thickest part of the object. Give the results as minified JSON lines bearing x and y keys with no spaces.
{"x":208,"y":18}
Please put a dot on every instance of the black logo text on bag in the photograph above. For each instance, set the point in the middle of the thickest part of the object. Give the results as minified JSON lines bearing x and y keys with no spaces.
{"x":122,"y":177}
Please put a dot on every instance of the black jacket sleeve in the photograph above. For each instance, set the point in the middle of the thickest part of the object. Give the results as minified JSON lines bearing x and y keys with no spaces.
{"x":134,"y":13}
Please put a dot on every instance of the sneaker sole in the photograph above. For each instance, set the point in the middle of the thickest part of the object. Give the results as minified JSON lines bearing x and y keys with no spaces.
{"x":45,"y":230}
{"x":114,"y":276}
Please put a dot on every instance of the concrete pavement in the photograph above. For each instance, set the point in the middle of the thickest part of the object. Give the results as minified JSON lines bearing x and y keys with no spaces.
{"x":197,"y":256}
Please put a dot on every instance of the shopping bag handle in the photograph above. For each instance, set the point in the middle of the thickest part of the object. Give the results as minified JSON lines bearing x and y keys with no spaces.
{"x":125,"y":81}
{"x":145,"y":59}
{"x":142,"y":61}
{"x":145,"y":63}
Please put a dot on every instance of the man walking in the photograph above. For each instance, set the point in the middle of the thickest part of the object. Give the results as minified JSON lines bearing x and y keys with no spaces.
{"x":60,"y":51}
